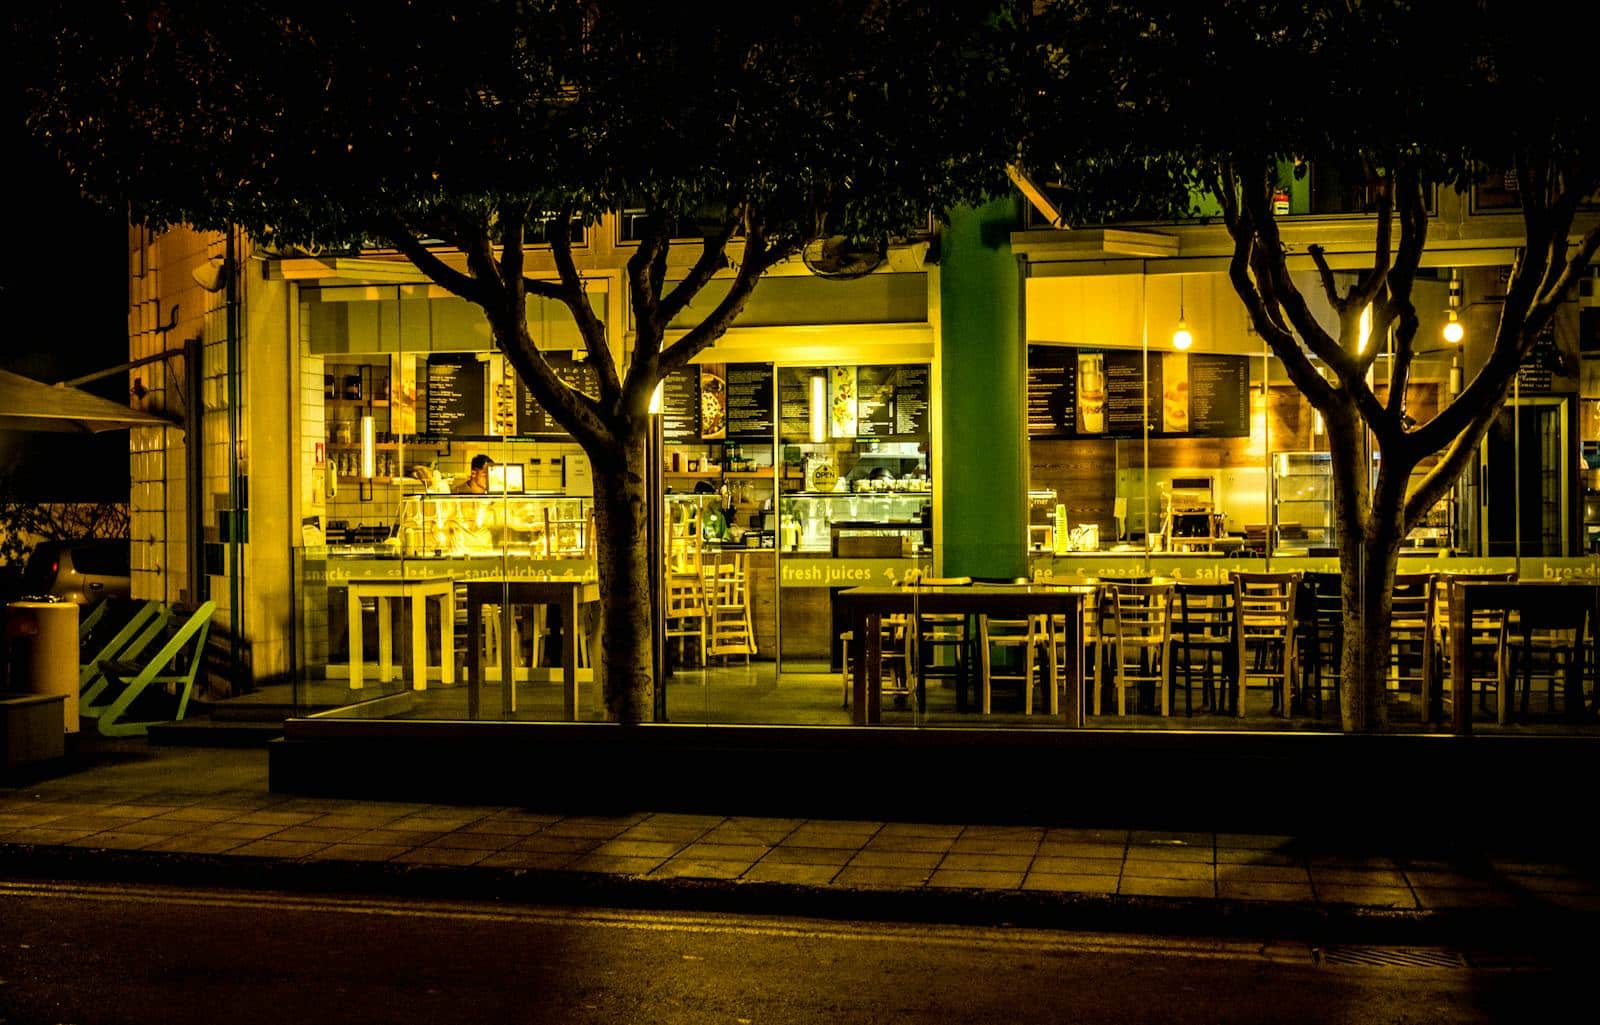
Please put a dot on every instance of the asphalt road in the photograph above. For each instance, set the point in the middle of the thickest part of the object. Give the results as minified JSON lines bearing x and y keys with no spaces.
{"x":87,"y":954}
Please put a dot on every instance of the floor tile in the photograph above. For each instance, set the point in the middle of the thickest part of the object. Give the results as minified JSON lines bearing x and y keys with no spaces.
{"x":320,"y":833}
{"x":1456,"y":897}
{"x":1252,"y":841}
{"x":274,"y":818}
{"x":1446,"y":881}
{"x":1143,"y":869}
{"x":659,"y":849}
{"x":841,"y":826}
{"x":928,"y":860}
{"x":787,"y":855}
{"x":701,"y":851}
{"x":112,"y":839}
{"x":901,"y":842}
{"x":198,"y":843}
{"x":976,"y":879}
{"x":882,"y":877}
{"x":1551,"y":884}
{"x":673,"y":819}
{"x":558,"y":844}
{"x":1353,"y":877}
{"x":929,"y":829}
{"x":669,"y":834}
{"x":1078,"y":866}
{"x":1158,"y":838}
{"x":398,"y":837}
{"x":1078,"y":849}
{"x":808,"y":837}
{"x":237,"y":830}
{"x":768,"y":871}
{"x":614,"y":864}
{"x":1254,"y":856}
{"x":1263,"y":874}
{"x":199,"y":813}
{"x":278,"y":848}
{"x":160,"y":827}
{"x":441,"y":856}
{"x":682,"y":868}
{"x":592,"y":830}
{"x":1017,"y":863}
{"x":528,"y":859}
{"x":1255,"y":890}
{"x":1136,"y":886}
{"x":354,"y":820}
{"x":1375,"y":896}
{"x":1150,"y":852}
{"x":993,"y":845}
{"x":474,"y":841}
{"x":358,"y":852}
{"x":1069,"y":883}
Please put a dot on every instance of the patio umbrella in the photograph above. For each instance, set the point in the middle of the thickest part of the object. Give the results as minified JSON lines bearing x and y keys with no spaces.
{"x":29,"y":405}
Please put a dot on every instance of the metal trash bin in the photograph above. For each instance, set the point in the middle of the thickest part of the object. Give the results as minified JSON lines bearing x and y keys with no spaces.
{"x":42,"y":652}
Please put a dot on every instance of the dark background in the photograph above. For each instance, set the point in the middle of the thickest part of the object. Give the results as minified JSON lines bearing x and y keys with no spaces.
{"x":64,"y":290}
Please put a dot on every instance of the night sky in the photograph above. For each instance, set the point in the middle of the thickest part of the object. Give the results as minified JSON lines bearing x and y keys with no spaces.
{"x":64,"y":289}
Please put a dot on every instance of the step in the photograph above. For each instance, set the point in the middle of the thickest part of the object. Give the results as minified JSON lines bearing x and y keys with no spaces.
{"x":203,"y":732}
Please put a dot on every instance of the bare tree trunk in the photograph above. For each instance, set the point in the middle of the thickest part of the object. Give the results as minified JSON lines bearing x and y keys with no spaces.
{"x":621,"y":522}
{"x":1367,"y":567}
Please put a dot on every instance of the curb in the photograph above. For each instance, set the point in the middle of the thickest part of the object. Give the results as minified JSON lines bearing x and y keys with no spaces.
{"x":1526,"y":928}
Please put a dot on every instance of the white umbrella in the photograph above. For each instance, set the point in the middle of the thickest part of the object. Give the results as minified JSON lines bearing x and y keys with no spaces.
{"x":29,"y":405}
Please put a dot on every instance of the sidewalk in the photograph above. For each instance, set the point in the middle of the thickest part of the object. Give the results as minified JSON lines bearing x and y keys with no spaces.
{"x":204,"y":817}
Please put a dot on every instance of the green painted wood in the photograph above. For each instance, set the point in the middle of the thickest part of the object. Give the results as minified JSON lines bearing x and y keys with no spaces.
{"x":983,"y":378}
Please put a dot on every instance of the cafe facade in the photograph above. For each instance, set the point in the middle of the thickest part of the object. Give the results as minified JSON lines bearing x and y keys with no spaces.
{"x":998,"y":401}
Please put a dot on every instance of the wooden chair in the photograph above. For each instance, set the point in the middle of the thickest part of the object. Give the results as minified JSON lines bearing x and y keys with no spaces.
{"x":729,"y":629}
{"x":896,"y":658}
{"x":1322,"y":620}
{"x":1411,"y":635}
{"x":1546,"y":637}
{"x":1486,"y":645}
{"x":936,"y":633}
{"x":1029,"y":660}
{"x":685,"y":605}
{"x":1203,"y":624}
{"x":1139,"y":640}
{"x":1264,"y":603}
{"x":172,"y":669}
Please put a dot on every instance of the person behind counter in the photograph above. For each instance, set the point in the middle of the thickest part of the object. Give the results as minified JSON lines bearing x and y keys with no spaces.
{"x":477,"y":481}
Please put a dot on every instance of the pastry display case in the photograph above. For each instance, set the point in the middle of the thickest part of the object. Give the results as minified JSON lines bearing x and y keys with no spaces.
{"x":528,"y":526}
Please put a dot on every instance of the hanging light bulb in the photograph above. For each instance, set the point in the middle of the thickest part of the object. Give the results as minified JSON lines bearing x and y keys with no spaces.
{"x":1181,"y":338}
{"x":1454,"y":330}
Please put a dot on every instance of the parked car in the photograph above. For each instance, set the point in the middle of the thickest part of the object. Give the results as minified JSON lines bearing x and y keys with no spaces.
{"x":82,"y":571}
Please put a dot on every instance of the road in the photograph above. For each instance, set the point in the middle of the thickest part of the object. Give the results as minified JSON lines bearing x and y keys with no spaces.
{"x":88,"y":954}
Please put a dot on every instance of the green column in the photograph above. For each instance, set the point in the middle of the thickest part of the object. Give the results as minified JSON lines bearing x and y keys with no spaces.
{"x":983,"y":378}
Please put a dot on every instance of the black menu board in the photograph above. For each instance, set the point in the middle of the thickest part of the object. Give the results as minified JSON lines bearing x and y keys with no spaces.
{"x":1543,"y":362}
{"x":1052,"y":398}
{"x":455,"y":396}
{"x":794,"y":403}
{"x":533,"y":420}
{"x":911,"y":402}
{"x":1219,"y":396}
{"x":875,"y":402}
{"x":1110,"y":393}
{"x":749,"y":409}
{"x":680,"y":405}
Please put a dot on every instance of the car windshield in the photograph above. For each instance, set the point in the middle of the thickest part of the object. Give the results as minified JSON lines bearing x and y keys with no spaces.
{"x":101,"y":558}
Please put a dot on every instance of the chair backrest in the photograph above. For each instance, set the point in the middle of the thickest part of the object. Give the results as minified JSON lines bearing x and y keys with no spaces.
{"x":1265,"y":602}
{"x":1141,"y":613}
{"x":1203,"y":611}
{"x":1483,"y":622}
{"x":1411,"y":601}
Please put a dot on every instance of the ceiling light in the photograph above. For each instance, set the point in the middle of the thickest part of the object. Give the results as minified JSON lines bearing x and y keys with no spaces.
{"x":1181,"y":338}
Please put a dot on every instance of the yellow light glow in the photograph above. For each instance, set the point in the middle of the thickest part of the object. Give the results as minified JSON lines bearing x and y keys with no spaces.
{"x":1366,"y":329}
{"x":819,"y":409}
{"x":369,"y":457}
{"x":1181,"y":338}
{"x":655,"y":396}
{"x":1453,"y":329}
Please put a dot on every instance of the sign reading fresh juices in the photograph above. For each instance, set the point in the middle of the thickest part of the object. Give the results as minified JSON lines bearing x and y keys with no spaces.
{"x":1115,"y":393}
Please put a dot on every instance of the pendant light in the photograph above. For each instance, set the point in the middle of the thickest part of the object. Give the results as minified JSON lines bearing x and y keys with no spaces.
{"x":1181,"y":338}
{"x":1454,"y":330}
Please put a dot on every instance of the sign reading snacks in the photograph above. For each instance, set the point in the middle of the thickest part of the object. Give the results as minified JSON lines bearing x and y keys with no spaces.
{"x":1104,"y":393}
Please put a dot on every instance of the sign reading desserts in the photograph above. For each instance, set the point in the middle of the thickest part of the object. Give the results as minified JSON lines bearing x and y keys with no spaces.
{"x":1121,"y":393}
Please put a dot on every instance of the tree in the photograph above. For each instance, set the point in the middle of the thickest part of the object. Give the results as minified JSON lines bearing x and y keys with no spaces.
{"x":488,"y":126}
{"x":1196,"y":110}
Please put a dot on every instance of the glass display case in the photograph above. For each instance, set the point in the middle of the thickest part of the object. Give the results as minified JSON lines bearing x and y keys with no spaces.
{"x":851,"y":524}
{"x":531,"y":526}
{"x":1302,"y":501}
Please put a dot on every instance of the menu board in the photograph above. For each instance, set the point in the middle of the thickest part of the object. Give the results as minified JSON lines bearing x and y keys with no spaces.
{"x":1540,"y":365}
{"x":911,"y":402}
{"x":842,"y":402}
{"x":1112,"y":393}
{"x":713,"y":402}
{"x":680,"y":405}
{"x":875,"y":402}
{"x":455,"y":396}
{"x":794,"y":403}
{"x":533,"y":420}
{"x":749,"y":409}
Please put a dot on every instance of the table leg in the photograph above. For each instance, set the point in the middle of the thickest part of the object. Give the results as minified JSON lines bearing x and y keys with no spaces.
{"x":597,"y":655}
{"x":872,"y":655}
{"x":1073,"y":637}
{"x":569,"y":652}
{"x":385,"y":638}
{"x":1460,"y":668}
{"x":1427,"y":674}
{"x":418,"y":603}
{"x":447,"y":634}
{"x":858,"y":681}
{"x":474,"y":666}
{"x":357,"y":655}
{"x":1050,"y":661}
{"x":508,"y":665}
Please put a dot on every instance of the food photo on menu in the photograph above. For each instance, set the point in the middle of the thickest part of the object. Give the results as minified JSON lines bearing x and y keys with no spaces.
{"x":1091,"y":393}
{"x":1175,"y":392}
{"x":713,"y":404}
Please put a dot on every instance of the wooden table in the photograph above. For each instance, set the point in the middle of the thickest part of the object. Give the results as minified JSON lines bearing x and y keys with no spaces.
{"x":1468,"y":597}
{"x":865,"y":608}
{"x":571,"y":595}
{"x":416,"y":590}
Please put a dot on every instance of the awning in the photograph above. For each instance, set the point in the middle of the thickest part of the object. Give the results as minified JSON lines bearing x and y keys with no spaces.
{"x":29,"y":405}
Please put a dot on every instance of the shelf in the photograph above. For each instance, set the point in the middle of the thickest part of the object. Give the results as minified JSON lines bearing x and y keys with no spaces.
{"x":696,"y":475}
{"x":381,"y":446}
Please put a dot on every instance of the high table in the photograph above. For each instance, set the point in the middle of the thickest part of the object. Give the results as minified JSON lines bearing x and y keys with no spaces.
{"x":1468,"y":597}
{"x":865,"y":608}
{"x":416,"y":590}
{"x":571,"y":595}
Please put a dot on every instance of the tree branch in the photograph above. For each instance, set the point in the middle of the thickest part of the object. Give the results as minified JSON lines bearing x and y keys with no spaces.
{"x":1401,"y":281}
{"x":652,"y":249}
{"x":439,"y":272}
{"x":713,"y":257}
{"x":576,"y":297}
{"x":759,"y":256}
